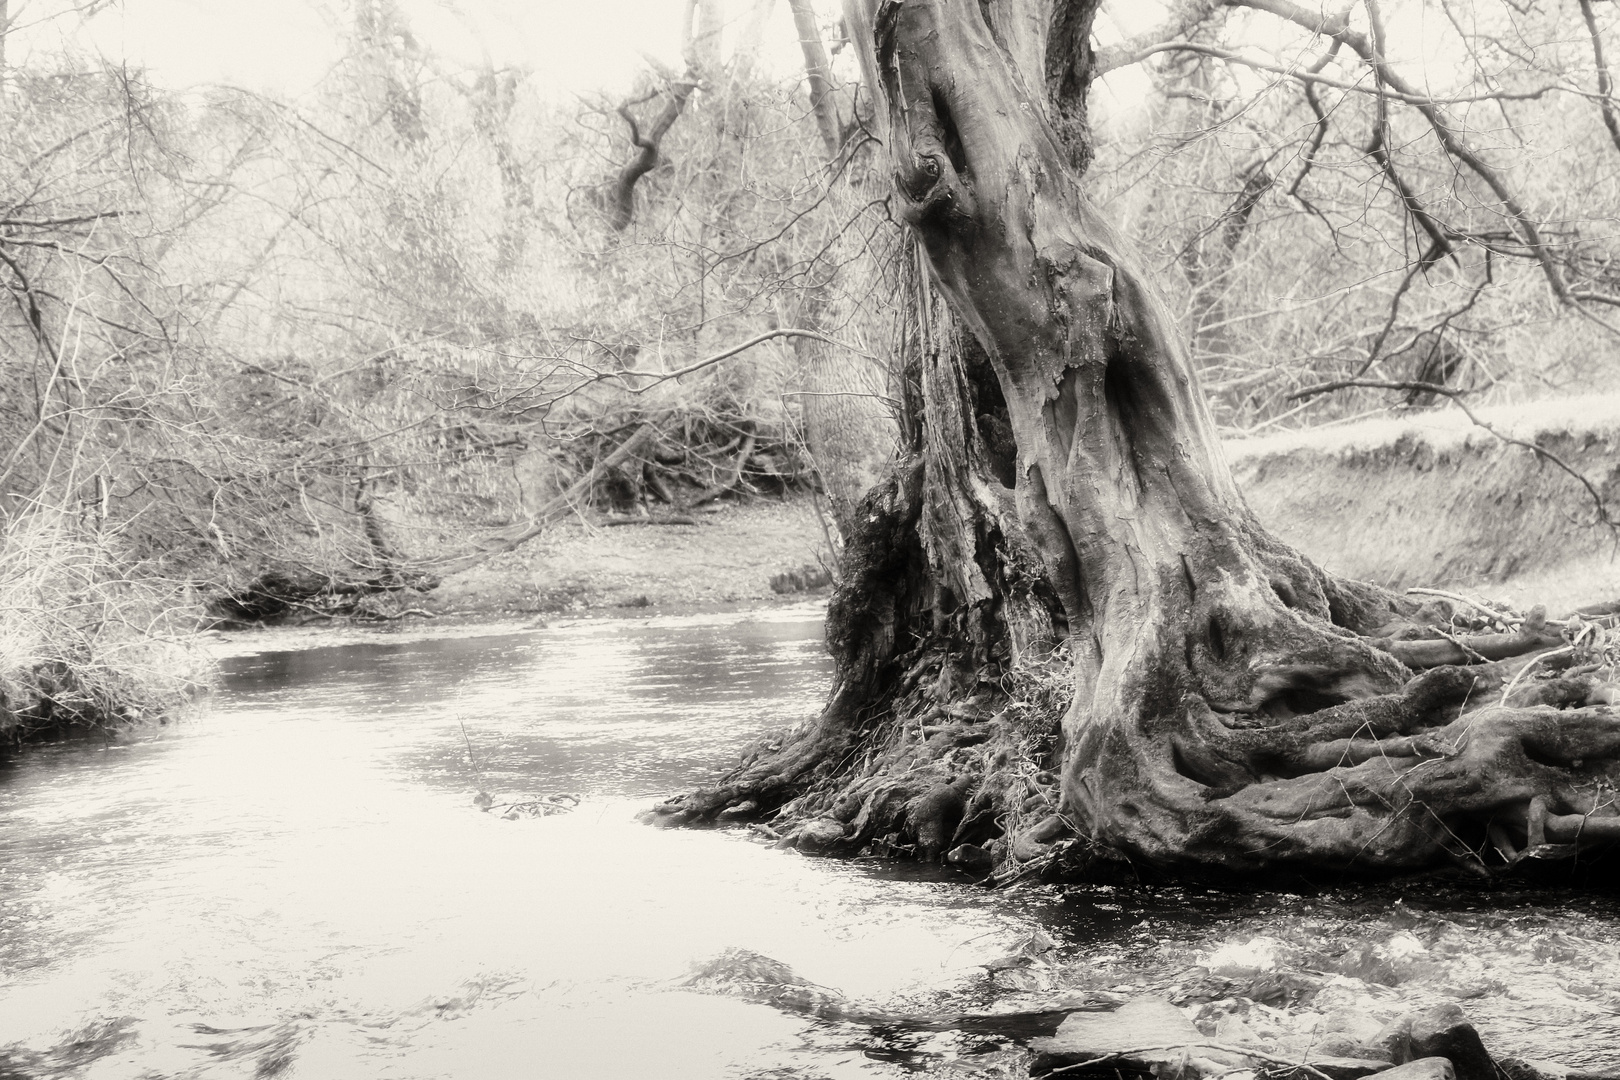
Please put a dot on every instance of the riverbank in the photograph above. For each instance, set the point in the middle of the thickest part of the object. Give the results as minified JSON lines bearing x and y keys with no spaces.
{"x":1424,"y":499}
{"x":1428,"y":498}
{"x":757,"y":553}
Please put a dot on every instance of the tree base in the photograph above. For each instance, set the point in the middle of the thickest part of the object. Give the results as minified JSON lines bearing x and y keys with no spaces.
{"x":1494,"y":758}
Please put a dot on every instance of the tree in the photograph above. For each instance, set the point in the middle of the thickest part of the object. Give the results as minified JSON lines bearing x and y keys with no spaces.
{"x":1230,"y":704}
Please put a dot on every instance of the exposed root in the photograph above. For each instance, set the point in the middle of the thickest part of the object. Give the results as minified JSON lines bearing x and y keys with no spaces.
{"x":936,"y":780}
{"x":928,"y":776}
{"x":1485,"y":764}
{"x":1444,"y":768}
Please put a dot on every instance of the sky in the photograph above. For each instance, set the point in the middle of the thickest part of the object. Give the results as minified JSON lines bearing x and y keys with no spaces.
{"x":566,"y":46}
{"x":286,"y":45}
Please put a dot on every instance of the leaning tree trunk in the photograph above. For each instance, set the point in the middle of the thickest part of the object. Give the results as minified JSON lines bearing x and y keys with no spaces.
{"x":1233,"y":706}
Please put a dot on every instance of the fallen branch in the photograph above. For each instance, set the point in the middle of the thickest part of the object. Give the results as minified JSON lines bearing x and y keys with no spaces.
{"x":714,"y":491}
{"x":553,"y":511}
{"x":667,"y":519}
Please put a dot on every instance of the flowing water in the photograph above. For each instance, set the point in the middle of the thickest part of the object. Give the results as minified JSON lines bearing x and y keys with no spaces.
{"x":297,"y":882}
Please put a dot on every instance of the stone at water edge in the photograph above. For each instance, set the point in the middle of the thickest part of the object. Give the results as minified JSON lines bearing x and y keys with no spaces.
{"x":1441,"y":1031}
{"x":820,"y":834}
{"x":1429,"y":1068}
{"x":1153,"y":1022}
{"x":972,"y":858}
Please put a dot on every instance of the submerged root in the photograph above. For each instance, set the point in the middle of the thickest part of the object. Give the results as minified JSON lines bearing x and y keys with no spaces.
{"x":753,"y":977}
{"x":970,"y":783}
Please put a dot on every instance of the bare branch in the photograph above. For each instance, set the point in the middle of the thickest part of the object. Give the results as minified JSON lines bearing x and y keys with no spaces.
{"x":621,"y":198}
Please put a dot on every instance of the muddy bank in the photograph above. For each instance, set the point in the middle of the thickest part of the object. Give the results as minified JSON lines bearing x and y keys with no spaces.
{"x":1431,"y":499}
{"x":1423,"y":499}
{"x":730,"y":556}
{"x":726,"y":556}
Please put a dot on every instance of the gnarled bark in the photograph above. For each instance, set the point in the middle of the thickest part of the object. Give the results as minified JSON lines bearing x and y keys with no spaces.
{"x":1233,"y":705}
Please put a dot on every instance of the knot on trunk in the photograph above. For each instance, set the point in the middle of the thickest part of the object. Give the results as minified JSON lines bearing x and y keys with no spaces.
{"x":932,"y":189}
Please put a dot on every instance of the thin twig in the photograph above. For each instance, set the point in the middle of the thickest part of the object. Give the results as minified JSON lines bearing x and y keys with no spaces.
{"x":1567,"y":650}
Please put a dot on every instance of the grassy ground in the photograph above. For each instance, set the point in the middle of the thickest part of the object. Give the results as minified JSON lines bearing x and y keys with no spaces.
{"x":728,"y":557}
{"x":1430,"y":499}
{"x":1426,"y":499}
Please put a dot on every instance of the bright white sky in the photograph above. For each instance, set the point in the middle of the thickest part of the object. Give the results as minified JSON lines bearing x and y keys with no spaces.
{"x":286,"y":45}
{"x":567,"y":46}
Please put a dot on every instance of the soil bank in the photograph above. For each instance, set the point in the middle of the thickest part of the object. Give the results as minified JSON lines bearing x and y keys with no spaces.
{"x":1425,"y":499}
{"x":729,"y":557}
{"x":1431,"y":499}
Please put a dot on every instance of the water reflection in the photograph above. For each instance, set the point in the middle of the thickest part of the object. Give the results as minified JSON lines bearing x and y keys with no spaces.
{"x":299,"y":883}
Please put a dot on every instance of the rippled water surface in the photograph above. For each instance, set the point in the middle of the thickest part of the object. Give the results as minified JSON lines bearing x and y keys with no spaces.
{"x":298,"y":883}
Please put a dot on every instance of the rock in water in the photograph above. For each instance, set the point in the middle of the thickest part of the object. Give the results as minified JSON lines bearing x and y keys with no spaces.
{"x":1445,"y":1032}
{"x":1440,"y":1032}
{"x":1150,"y":1035}
{"x":749,"y":975}
{"x":754,"y":977}
{"x":1134,"y":1026}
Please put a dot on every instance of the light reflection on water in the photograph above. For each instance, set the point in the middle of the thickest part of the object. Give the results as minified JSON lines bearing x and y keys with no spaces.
{"x":298,"y":883}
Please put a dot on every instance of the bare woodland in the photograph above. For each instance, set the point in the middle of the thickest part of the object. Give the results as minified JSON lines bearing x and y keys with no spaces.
{"x":320,"y":353}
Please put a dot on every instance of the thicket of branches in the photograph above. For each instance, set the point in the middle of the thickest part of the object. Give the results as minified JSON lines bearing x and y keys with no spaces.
{"x":1384,"y":194}
{"x":351,"y":342}
{"x":358,"y":339}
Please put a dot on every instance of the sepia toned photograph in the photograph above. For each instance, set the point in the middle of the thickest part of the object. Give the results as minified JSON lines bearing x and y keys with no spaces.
{"x":809,"y":540}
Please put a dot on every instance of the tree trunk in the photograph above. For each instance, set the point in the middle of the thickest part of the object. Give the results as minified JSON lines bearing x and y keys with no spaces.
{"x":1229,"y":705}
{"x":1210,"y":263}
{"x":819,"y":74}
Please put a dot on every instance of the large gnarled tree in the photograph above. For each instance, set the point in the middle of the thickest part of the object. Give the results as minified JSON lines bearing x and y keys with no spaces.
{"x":1233,"y":705}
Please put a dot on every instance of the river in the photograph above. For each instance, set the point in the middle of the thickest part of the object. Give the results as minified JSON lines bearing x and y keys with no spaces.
{"x":297,"y":882}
